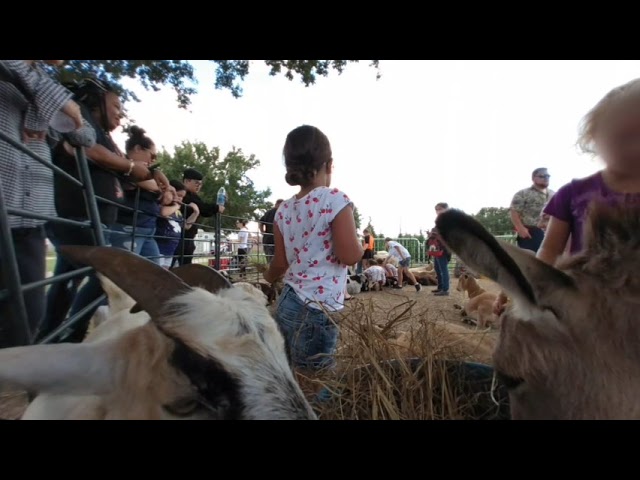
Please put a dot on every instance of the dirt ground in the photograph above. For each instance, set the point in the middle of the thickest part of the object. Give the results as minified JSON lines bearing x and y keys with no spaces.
{"x":440,"y":308}
{"x":382,"y":304}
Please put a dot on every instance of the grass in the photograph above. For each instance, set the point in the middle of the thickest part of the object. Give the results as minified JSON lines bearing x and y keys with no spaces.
{"x":51,"y":262}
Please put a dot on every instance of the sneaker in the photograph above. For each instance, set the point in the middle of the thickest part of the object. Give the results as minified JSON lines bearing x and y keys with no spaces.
{"x":436,"y":290}
{"x":441,"y":294}
{"x":418,"y":287}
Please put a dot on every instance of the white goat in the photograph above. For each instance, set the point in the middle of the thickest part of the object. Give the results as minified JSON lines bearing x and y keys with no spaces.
{"x":191,"y":354}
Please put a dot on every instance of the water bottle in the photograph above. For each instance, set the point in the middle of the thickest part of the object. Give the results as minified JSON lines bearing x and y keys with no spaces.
{"x":222,"y":197}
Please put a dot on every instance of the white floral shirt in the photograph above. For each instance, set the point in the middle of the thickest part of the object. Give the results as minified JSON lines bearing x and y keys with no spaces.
{"x":375,"y":274}
{"x":314,"y":271}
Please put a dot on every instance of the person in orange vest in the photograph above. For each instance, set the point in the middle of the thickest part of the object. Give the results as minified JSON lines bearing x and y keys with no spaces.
{"x":367,"y":245}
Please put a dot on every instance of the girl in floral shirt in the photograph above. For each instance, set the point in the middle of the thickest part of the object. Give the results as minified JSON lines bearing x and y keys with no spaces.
{"x":315,"y":240}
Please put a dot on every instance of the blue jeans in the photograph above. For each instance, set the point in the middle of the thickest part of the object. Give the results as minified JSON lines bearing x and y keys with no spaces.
{"x":143,"y":243}
{"x":310,"y":335}
{"x":533,"y":243}
{"x":441,"y":265}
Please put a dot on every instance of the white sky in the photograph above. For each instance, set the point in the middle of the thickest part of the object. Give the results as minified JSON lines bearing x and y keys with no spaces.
{"x":465,"y":132}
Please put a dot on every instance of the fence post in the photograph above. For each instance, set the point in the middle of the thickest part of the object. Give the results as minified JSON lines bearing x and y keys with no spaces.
{"x":90,"y":197}
{"x":134,"y":220}
{"x":20,"y":329}
{"x":217,"y":237}
{"x":183,"y":234}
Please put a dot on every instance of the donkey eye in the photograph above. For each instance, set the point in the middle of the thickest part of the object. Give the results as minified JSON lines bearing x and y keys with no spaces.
{"x":509,"y":382}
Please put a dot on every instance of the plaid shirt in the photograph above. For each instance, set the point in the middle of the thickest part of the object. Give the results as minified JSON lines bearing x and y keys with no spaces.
{"x":26,"y":183}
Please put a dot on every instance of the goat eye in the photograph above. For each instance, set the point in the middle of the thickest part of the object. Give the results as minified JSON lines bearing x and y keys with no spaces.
{"x":509,"y":382}
{"x":182,"y":407}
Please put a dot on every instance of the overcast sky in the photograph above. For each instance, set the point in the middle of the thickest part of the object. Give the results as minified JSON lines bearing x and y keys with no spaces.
{"x":464,"y":132}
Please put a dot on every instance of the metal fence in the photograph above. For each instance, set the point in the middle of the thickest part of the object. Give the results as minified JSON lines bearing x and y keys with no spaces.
{"x":16,"y":325}
{"x":215,"y":246}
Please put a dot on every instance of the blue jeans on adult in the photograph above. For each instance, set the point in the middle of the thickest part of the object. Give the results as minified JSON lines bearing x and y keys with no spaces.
{"x":533,"y":243}
{"x":310,"y":335}
{"x":143,"y":243}
{"x":441,"y":265}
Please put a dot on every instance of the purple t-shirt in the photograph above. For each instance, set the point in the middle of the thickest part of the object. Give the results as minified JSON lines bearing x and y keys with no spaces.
{"x":571,"y":203}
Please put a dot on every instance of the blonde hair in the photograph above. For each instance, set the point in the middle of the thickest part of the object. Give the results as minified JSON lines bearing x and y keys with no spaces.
{"x":591,"y":121}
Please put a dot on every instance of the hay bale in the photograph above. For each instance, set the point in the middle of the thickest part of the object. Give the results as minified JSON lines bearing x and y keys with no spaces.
{"x":437,"y":389}
{"x":375,"y":380}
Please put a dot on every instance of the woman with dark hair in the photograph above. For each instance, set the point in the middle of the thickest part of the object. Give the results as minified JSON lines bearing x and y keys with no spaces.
{"x":171,"y":222}
{"x":101,"y":107}
{"x":134,"y":230}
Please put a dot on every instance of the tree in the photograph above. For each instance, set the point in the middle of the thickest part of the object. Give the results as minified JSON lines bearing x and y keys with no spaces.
{"x":357,"y":217}
{"x":495,"y":219}
{"x":369,"y":227}
{"x":179,"y":74}
{"x":243,"y":200}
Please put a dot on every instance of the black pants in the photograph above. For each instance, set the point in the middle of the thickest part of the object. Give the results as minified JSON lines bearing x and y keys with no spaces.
{"x":269,"y":247}
{"x":189,"y":248}
{"x":31,"y":254}
{"x":533,"y":243}
{"x":241,"y":259}
{"x":64,"y":297}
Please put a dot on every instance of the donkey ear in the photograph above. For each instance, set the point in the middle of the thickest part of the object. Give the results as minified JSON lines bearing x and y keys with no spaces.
{"x":519,"y":273}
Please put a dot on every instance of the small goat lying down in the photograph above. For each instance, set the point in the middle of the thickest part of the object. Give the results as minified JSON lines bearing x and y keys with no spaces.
{"x":188,"y":353}
{"x":569,"y":344}
{"x":357,"y":284}
{"x":479,"y":306}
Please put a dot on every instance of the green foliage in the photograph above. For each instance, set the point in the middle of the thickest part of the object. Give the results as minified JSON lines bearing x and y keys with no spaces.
{"x":243,"y":200}
{"x":179,"y":74}
{"x":371,"y":229}
{"x":495,"y":219}
{"x":357,"y":217}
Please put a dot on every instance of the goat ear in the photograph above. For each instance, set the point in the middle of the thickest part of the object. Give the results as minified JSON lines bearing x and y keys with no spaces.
{"x":517,"y":271}
{"x":146,"y":282}
{"x":64,"y":368}
{"x":196,"y":275}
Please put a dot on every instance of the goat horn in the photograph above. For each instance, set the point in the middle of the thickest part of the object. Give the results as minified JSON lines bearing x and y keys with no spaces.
{"x":196,"y":275}
{"x":146,"y":282}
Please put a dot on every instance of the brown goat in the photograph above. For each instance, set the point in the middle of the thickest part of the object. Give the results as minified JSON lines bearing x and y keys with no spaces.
{"x":569,"y":345}
{"x":479,"y":306}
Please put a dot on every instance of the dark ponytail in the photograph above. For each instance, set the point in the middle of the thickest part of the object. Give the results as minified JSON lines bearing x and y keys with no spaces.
{"x":138,"y":138}
{"x":306,"y":151}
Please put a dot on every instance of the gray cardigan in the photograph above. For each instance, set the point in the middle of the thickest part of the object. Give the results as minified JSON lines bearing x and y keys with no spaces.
{"x":26,"y":183}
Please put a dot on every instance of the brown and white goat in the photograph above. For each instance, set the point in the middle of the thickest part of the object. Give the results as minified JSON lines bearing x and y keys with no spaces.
{"x":187,"y":353}
{"x":569,"y":344}
{"x":479,"y":305}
